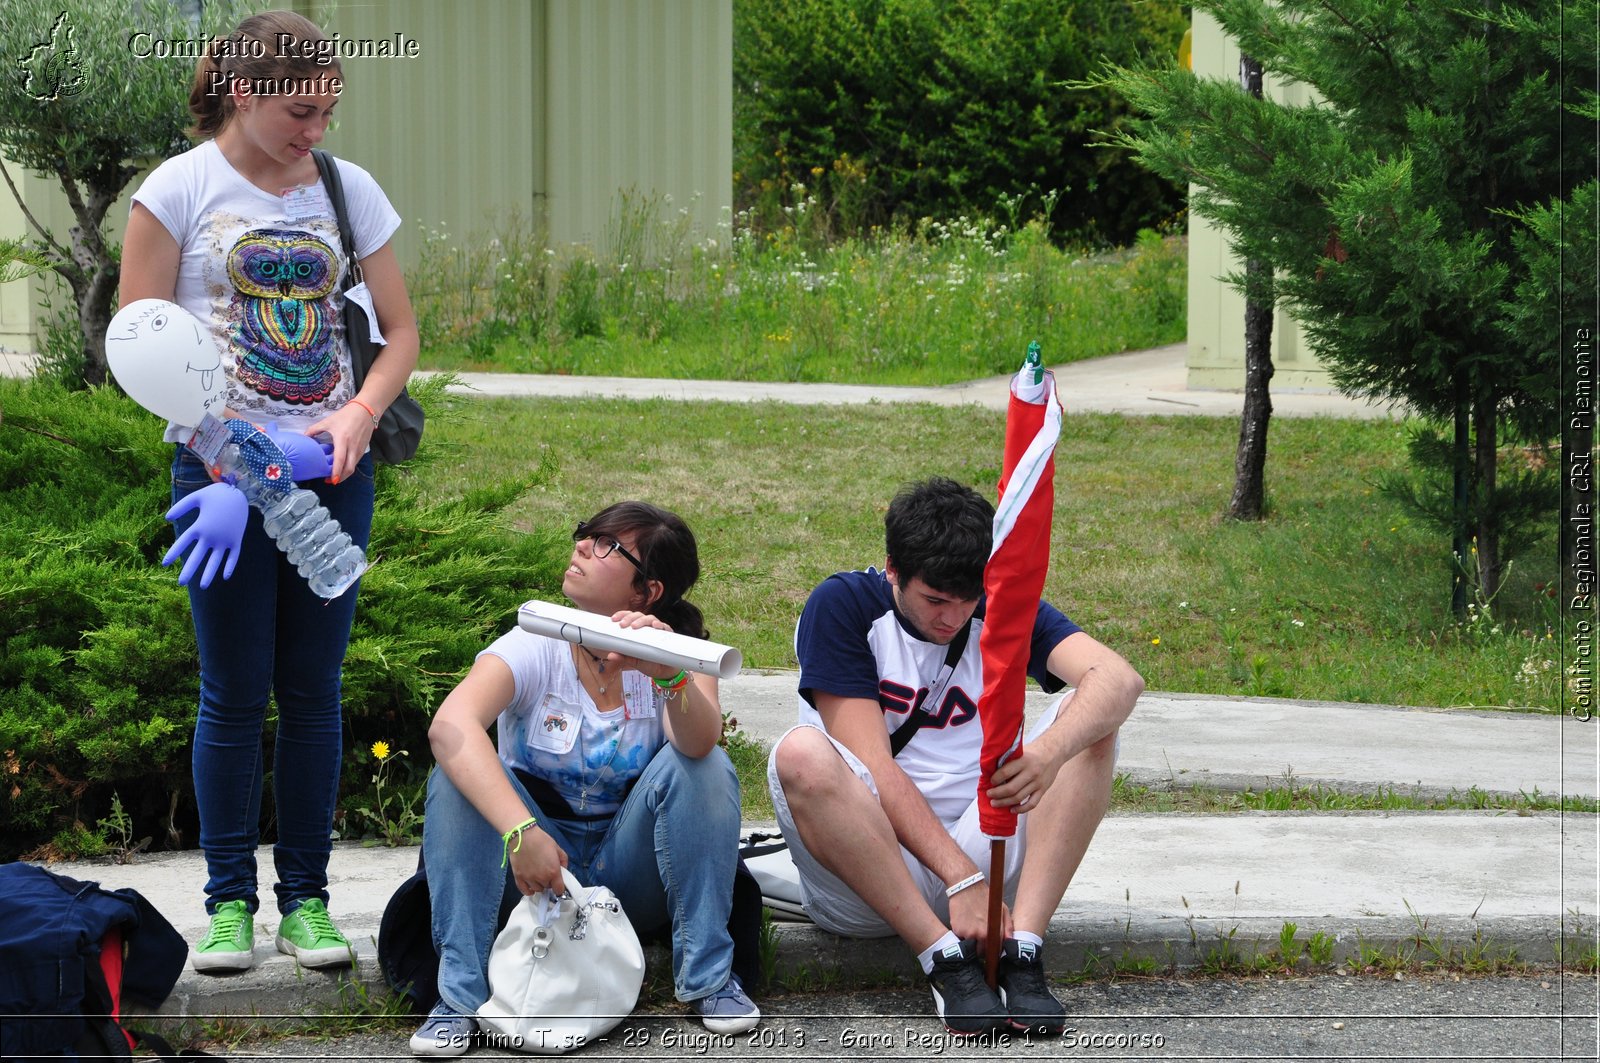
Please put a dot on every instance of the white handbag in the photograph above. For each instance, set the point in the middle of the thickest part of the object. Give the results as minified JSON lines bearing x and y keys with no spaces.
{"x":563,"y":972}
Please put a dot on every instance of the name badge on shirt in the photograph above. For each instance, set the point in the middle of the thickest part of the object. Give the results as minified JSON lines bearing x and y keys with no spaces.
{"x":306,"y":201}
{"x":640,"y":708}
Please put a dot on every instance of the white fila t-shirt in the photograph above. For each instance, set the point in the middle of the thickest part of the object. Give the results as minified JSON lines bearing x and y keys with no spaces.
{"x":853,"y":643}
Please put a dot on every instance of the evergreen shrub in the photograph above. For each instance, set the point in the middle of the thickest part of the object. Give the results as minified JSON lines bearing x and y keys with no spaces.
{"x":895,"y":110}
{"x":98,"y":670}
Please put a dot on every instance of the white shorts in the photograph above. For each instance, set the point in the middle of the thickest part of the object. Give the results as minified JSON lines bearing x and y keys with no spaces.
{"x":834,"y":906}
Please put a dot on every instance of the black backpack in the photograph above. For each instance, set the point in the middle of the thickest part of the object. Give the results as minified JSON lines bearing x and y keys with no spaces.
{"x":73,"y":957}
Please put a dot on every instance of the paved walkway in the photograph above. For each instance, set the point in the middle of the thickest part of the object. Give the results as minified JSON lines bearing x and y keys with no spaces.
{"x":1139,"y":382}
{"x":14,"y":364}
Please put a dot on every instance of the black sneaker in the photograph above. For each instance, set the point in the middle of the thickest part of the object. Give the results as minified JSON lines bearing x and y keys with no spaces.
{"x":961,"y":995}
{"x":1028,"y":1001}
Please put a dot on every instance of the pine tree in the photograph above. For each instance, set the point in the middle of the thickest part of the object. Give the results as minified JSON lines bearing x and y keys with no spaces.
{"x":1249,"y":501}
{"x":1395,"y":210}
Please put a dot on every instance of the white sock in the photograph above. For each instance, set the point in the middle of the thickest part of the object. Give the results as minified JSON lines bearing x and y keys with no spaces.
{"x":1033,"y":939}
{"x":925,"y":957}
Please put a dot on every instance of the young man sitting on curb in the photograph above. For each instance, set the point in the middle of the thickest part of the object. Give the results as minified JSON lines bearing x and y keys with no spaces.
{"x":883,"y":651}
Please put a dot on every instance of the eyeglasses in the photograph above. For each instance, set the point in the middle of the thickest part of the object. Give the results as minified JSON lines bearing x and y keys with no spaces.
{"x":604,"y":544}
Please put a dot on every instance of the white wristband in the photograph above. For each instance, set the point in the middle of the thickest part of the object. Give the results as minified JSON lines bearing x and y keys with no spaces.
{"x":971,"y":880}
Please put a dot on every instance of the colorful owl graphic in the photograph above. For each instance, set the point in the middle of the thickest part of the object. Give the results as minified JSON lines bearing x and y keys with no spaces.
{"x":285,"y":331}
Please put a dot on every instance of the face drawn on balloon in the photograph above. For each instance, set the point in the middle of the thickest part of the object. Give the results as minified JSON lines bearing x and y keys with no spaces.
{"x":164,"y":361}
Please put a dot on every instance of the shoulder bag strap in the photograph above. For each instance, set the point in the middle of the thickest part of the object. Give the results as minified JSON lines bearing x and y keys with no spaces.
{"x":335,"y":187}
{"x":952,"y":656}
{"x":361,"y":354}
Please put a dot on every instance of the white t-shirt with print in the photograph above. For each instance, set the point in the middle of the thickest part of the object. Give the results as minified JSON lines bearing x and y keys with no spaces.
{"x":262,"y":273}
{"x":553,"y":729}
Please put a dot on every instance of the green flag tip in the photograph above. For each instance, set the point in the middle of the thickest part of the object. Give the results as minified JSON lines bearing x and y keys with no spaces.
{"x":1034,"y":361}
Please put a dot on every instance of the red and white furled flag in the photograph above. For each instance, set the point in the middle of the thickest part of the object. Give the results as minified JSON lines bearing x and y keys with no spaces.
{"x":1013,"y":580}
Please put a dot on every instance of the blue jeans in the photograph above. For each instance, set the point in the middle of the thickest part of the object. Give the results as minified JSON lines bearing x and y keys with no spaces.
{"x":263,"y":632}
{"x":668,"y":854}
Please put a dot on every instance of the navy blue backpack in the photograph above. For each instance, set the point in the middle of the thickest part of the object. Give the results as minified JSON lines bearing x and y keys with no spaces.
{"x":73,"y":956}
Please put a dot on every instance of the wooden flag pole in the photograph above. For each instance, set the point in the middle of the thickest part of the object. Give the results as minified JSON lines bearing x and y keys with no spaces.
{"x":997,"y":889}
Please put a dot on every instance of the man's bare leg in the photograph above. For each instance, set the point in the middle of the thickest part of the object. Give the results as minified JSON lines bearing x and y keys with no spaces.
{"x":844,"y":827}
{"x":1059,"y":832}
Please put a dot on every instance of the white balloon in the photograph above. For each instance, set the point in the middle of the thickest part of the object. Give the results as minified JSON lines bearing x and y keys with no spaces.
{"x":164,"y":360}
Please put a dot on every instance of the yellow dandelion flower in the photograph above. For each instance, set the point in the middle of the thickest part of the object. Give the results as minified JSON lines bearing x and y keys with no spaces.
{"x":1155,"y":641}
{"x":380,"y":749}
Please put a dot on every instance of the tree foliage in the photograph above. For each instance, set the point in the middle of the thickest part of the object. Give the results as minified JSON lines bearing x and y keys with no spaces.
{"x":84,"y":105}
{"x":98,"y":668}
{"x":1398,"y":209}
{"x":901,"y":109}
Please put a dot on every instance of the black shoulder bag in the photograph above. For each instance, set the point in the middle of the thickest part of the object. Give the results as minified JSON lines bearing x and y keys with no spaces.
{"x":399,"y":431}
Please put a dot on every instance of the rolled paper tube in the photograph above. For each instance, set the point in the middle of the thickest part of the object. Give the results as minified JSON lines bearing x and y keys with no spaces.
{"x":600,"y":634}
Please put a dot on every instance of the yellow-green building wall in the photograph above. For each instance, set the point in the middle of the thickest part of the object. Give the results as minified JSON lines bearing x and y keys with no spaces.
{"x":1216,"y":310}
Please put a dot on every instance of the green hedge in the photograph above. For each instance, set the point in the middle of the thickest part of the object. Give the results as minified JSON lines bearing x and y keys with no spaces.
{"x":98,"y":672}
{"x":902,"y":109}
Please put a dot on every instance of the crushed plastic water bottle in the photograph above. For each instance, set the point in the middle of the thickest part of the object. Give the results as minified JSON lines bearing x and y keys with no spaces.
{"x":319,"y":549}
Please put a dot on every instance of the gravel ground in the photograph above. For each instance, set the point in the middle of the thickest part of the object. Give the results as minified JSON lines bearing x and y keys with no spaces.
{"x":1438,"y":1017}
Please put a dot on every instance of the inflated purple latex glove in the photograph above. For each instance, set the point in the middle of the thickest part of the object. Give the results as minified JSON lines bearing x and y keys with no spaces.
{"x":215,"y":534}
{"x":308,"y":459}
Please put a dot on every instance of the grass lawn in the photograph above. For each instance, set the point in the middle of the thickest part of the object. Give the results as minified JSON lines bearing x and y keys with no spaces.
{"x":1337,"y":596}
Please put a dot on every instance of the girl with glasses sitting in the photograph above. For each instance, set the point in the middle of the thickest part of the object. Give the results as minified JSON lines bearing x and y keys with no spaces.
{"x":606,"y":764}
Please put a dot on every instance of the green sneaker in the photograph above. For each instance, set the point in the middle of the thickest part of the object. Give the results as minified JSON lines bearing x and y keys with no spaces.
{"x":230,"y":942}
{"x":308,"y":934}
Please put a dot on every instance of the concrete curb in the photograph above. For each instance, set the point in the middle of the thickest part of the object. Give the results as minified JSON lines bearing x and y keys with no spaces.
{"x":1155,"y":890}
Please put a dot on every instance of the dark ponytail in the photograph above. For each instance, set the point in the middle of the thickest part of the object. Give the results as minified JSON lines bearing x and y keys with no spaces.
{"x":683,"y":616}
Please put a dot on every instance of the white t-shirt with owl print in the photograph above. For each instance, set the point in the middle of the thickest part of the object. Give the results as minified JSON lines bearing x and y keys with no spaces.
{"x":262,"y":273}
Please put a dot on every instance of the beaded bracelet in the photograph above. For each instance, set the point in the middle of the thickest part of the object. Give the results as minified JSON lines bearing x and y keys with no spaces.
{"x":971,"y":880}
{"x":505,"y":839}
